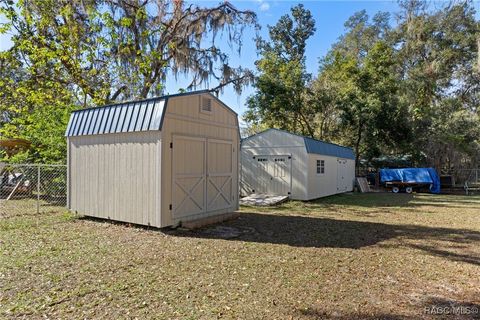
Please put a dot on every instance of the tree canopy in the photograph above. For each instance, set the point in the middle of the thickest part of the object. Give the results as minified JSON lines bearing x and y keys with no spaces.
{"x":279,"y":100}
{"x":403,"y":84}
{"x":406,"y":84}
{"x":71,"y":54}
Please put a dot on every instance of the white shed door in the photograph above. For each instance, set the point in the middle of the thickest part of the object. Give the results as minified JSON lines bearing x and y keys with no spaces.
{"x":219,"y":174}
{"x":202,"y":175}
{"x":262,"y":175}
{"x":189,"y":176}
{"x":273,"y":174}
{"x":342,"y":175}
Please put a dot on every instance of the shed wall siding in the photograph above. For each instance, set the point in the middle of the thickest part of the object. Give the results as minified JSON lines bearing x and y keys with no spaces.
{"x":188,"y":107}
{"x":322,"y":185}
{"x":116,"y":176}
{"x":274,"y":142}
{"x":183,"y":118}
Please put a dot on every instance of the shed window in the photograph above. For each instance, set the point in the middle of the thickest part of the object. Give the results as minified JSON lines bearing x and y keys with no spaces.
{"x":205,"y":104}
{"x":320,"y":166}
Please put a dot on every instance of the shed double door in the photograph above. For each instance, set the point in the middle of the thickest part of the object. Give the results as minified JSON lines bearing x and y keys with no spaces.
{"x":273,"y":174}
{"x":202,"y":173}
{"x":342,"y":175}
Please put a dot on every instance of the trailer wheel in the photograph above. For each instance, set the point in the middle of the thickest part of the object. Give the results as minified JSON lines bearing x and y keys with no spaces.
{"x":408,"y":189}
{"x":395,"y":189}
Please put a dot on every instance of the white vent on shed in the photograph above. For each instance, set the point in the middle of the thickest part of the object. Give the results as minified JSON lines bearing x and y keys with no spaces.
{"x":206,"y":104}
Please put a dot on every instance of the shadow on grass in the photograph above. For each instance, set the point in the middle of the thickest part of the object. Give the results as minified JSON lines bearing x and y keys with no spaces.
{"x":122,"y":223}
{"x":448,"y":254}
{"x":308,"y":232}
{"x":301,"y":231}
{"x":365,"y":200}
{"x":451,"y":308}
{"x":430,"y":307}
{"x":318,"y":314}
{"x":386,"y":199}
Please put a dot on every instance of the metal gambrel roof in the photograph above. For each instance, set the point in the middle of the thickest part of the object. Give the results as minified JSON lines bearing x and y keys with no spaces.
{"x":329,"y":149}
{"x":317,"y":146}
{"x":131,"y":116}
{"x":143,"y":115}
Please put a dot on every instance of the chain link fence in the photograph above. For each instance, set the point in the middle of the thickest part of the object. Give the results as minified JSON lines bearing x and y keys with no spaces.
{"x":469,"y":176}
{"x":27,"y":189}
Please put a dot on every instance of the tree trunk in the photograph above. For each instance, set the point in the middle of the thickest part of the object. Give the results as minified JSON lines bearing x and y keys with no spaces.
{"x":310,"y":131}
{"x":146,"y":89}
{"x":357,"y":148}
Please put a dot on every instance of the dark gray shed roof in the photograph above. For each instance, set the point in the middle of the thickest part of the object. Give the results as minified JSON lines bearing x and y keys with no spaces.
{"x":132,"y":116}
{"x":319,"y":147}
{"x":326,"y":148}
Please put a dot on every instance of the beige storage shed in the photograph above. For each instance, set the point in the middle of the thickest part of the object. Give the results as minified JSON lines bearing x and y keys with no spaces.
{"x":278,"y":162}
{"x":156,"y":162}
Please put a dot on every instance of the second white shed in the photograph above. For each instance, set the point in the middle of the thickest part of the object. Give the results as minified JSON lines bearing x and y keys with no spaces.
{"x":157,"y":162}
{"x":282,"y":163}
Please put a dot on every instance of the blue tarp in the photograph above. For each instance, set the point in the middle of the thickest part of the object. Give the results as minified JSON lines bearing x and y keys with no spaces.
{"x":412,"y":175}
{"x":435,"y":187}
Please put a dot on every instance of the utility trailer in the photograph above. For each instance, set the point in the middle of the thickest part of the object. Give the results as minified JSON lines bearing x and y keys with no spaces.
{"x":410,"y":179}
{"x":408,"y":187}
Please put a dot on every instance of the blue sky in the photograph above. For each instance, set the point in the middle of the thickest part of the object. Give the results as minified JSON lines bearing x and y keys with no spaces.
{"x":329,"y":16}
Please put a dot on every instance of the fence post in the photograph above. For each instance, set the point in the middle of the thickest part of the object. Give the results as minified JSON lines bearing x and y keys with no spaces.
{"x":38,"y":188}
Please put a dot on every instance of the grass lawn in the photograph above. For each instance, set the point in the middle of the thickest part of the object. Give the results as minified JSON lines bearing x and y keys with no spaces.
{"x":362,"y":256}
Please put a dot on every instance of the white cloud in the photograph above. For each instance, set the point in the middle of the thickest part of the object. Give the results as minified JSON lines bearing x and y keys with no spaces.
{"x":264,"y":6}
